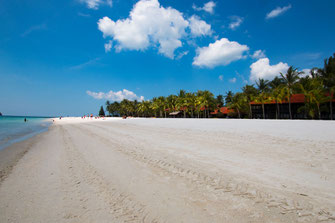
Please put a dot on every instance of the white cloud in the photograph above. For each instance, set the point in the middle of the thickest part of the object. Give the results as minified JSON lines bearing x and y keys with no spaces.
{"x":208,"y":7}
{"x":236,"y":21}
{"x":85,"y":64}
{"x":109,"y":3}
{"x":199,"y":27}
{"x":42,"y":26}
{"x":258,"y":54}
{"x":83,"y":14}
{"x":306,"y":72}
{"x":232,"y":80}
{"x":277,"y":11}
{"x":221,"y":77}
{"x":94,"y":4}
{"x":221,"y":52}
{"x":263,"y":69}
{"x":148,"y":24}
{"x":108,"y":46}
{"x":116,"y":96}
{"x":181,"y":55}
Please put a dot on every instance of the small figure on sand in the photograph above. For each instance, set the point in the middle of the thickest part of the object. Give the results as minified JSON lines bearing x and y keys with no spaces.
{"x":25,"y":120}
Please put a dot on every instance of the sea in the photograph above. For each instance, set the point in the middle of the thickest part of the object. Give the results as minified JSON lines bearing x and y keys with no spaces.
{"x":14,"y":129}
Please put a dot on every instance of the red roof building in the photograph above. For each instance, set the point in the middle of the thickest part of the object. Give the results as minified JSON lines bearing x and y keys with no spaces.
{"x":295,"y":98}
{"x":223,"y":110}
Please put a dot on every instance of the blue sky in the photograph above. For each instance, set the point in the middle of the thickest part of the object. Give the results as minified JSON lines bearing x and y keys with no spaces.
{"x":68,"y":57}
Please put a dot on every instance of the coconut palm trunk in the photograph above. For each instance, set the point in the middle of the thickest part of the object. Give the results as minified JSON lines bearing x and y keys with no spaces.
{"x":250,"y":116}
{"x":289,"y":106}
{"x":263,"y":110}
{"x":331,"y":105}
{"x":319,"y":112}
{"x":276,"y":109}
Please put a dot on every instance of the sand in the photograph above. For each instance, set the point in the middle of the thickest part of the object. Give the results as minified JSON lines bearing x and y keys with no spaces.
{"x":171,"y":170}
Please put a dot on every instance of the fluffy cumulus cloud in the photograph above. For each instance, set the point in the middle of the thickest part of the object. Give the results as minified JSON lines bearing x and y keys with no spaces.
{"x":208,"y":7}
{"x":148,"y":24}
{"x":94,"y":4}
{"x":236,"y":21}
{"x":221,"y":52}
{"x":258,"y":54}
{"x":263,"y":69}
{"x":116,"y":96}
{"x":199,"y":27}
{"x":277,"y":11}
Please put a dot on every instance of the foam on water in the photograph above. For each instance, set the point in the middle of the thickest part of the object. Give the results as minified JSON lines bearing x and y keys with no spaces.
{"x":14,"y":129}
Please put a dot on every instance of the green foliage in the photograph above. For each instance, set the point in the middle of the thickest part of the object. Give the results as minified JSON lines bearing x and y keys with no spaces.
{"x":239,"y":103}
{"x":101,"y":112}
{"x":229,"y":97}
{"x":318,"y":88}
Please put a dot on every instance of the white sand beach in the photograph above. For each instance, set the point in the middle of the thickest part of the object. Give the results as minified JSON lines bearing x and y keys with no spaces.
{"x":171,"y":170}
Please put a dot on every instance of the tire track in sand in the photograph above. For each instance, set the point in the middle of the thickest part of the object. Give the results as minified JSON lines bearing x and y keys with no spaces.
{"x":121,"y":205}
{"x":286,"y":208}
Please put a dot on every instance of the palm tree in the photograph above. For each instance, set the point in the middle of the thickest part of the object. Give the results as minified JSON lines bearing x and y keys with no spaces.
{"x":318,"y":94}
{"x":276,"y":82}
{"x":277,"y":94}
{"x":206,"y":101}
{"x":229,"y":97}
{"x":190,"y":103}
{"x":219,"y":100}
{"x":290,"y":79}
{"x":250,"y":92}
{"x":114,"y":108}
{"x":197,"y":102}
{"x":238,"y":102}
{"x":306,"y":87}
{"x":263,"y":88}
{"x":182,"y":102}
{"x":328,"y":76}
{"x":172,"y":102}
{"x":162,"y":104}
{"x":144,"y":108}
{"x":155,"y":105}
{"x":315,"y":72}
{"x":107,"y":106}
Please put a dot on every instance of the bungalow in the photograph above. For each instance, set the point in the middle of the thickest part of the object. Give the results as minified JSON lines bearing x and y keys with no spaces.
{"x":273,"y":110}
{"x":222,"y":112}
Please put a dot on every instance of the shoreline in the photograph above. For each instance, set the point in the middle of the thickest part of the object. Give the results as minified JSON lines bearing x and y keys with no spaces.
{"x":11,"y":154}
{"x":23,"y":134}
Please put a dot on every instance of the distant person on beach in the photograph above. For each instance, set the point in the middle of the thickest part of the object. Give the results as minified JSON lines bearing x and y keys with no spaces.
{"x":25,"y":120}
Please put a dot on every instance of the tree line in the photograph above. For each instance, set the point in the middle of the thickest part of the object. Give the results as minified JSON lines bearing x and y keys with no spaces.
{"x":318,"y":88}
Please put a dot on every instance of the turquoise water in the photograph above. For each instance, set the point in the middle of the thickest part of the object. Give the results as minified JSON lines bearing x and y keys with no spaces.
{"x":14,"y":129}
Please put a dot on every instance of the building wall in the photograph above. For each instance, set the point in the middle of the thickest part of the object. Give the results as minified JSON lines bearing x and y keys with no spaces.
{"x":270,"y":111}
